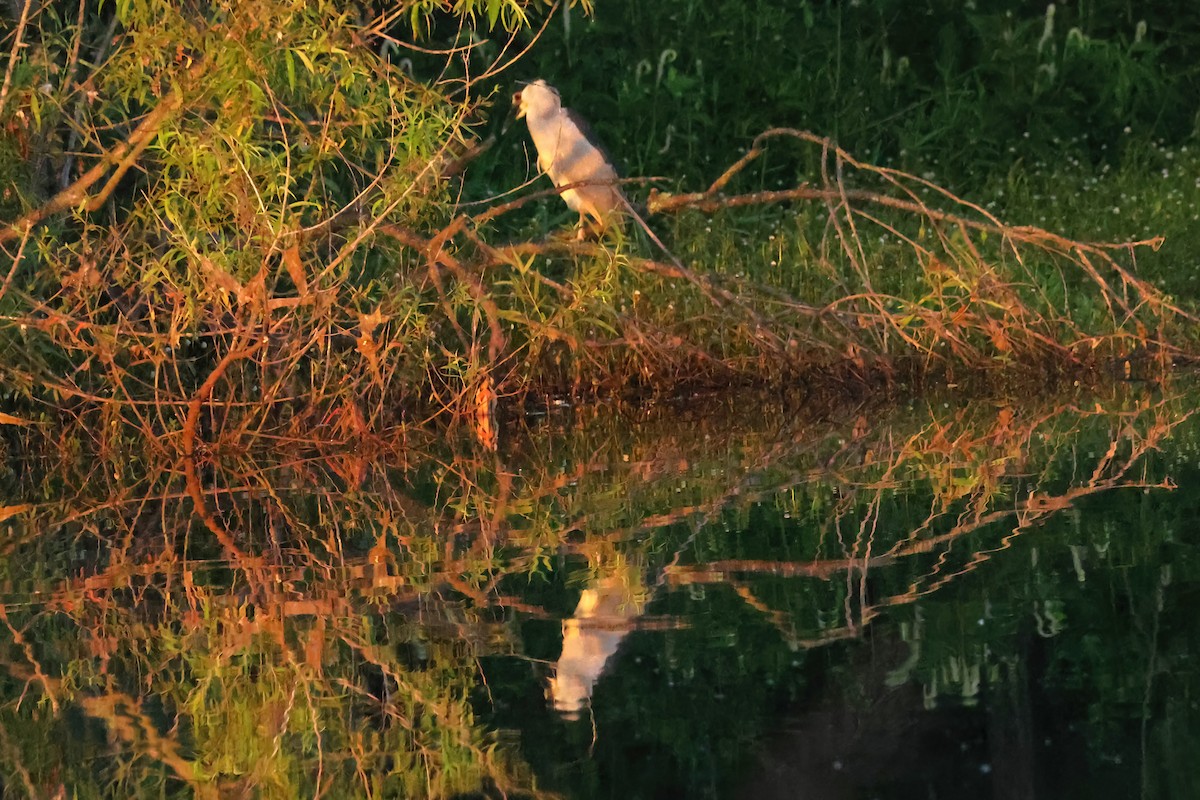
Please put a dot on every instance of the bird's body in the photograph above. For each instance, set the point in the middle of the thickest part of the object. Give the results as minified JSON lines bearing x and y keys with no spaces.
{"x":569,"y":156}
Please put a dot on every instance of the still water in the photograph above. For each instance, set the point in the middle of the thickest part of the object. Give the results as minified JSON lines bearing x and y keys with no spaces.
{"x":718,"y":598}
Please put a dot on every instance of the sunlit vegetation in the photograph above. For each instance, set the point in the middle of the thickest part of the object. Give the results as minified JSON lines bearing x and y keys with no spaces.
{"x":263,"y":218}
{"x":288,"y":323}
{"x":1153,"y":191}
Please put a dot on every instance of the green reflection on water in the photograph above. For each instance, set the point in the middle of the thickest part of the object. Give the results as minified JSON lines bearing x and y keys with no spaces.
{"x":732,"y":597}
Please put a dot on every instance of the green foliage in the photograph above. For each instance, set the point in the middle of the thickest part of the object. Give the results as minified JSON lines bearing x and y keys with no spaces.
{"x":282,"y":188}
{"x":677,"y":87}
{"x":265,"y":264}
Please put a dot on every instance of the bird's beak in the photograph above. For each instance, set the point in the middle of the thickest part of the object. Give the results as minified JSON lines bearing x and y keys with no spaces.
{"x":517,"y":104}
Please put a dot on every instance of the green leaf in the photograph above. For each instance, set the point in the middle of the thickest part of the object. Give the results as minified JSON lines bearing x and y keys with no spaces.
{"x":308,"y":64}
{"x":291,"y":69}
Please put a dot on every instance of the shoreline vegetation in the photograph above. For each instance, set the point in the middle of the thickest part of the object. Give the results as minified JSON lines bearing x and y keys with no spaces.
{"x":278,"y":224}
{"x":306,"y":450}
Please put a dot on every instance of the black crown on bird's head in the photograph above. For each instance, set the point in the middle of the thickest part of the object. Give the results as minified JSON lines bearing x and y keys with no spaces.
{"x":540,"y":84}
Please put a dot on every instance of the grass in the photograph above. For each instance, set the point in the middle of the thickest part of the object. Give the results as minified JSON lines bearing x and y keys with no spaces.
{"x":1153,"y":191}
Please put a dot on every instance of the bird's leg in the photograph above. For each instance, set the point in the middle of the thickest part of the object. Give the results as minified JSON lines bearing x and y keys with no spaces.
{"x":589,"y":228}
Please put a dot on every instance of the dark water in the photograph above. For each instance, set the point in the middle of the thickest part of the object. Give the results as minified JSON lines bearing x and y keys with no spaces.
{"x":722,"y":598}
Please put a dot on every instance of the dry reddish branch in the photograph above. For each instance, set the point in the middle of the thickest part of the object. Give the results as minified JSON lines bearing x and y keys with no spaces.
{"x":123,"y":156}
{"x":835,"y":191}
{"x":242,"y":348}
{"x":976,"y":310}
{"x":18,"y":43}
{"x":984,"y":314}
{"x":434,"y":251}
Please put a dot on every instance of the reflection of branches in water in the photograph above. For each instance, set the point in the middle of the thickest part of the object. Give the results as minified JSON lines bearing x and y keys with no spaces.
{"x":344,"y":596}
{"x":971,"y":515}
{"x":292,"y":680}
{"x":286,"y":613}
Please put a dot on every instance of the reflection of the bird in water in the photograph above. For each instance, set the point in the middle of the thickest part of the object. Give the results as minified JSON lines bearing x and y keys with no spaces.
{"x":607,"y":611}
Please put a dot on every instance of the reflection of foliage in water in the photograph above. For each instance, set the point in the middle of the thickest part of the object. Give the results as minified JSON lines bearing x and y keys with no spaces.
{"x":318,"y":627}
{"x":961,"y":637}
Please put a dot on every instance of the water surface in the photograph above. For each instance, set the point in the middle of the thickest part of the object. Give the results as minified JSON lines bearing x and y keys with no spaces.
{"x":718,"y":598}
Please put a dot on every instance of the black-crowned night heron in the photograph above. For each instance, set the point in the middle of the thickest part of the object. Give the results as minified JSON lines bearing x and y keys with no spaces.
{"x":608,"y":610}
{"x":569,"y":155}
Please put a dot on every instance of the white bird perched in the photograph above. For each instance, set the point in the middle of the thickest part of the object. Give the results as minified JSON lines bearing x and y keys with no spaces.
{"x":569,"y":156}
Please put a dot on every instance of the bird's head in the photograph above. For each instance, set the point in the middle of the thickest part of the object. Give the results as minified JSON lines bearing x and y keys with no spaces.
{"x":538,"y":97}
